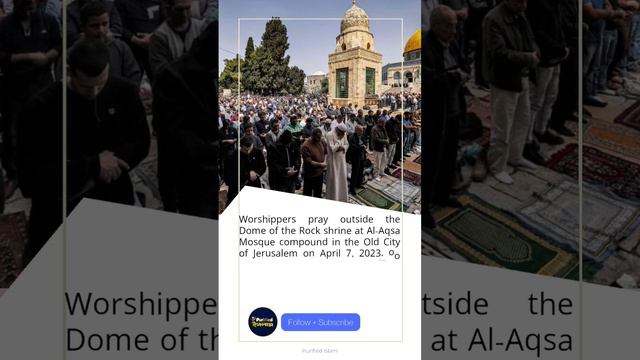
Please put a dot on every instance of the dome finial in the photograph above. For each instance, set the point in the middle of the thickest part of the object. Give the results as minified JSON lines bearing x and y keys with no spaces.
{"x":353,"y":2}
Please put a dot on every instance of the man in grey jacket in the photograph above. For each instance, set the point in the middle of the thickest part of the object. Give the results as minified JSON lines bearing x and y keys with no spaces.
{"x":175,"y":36}
{"x":511,"y":56}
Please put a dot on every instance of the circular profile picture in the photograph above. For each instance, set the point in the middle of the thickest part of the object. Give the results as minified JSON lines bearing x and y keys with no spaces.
{"x":263,"y":321}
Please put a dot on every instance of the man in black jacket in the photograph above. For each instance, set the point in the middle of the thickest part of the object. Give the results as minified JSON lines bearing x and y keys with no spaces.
{"x":357,"y":153}
{"x":511,"y":56}
{"x":395,"y":149}
{"x":30,"y":43}
{"x":443,"y":86}
{"x":252,"y":166}
{"x":187,"y":128}
{"x":107,"y":135}
{"x":567,"y":101}
{"x":283,"y":159}
{"x":478,"y":9}
{"x":545,"y":20}
{"x":140,"y":18}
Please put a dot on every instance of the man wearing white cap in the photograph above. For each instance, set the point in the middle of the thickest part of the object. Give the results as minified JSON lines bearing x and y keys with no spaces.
{"x":326,"y":129}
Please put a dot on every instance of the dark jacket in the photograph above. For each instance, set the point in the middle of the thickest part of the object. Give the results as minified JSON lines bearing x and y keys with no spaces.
{"x":115,"y":121}
{"x":25,"y":79}
{"x":187,"y":126}
{"x":140,"y":16}
{"x":569,"y":20}
{"x":507,"y":40}
{"x":357,"y":149}
{"x":379,"y":138}
{"x":122,"y":62}
{"x":440,"y":84}
{"x":262,"y":127}
{"x":546,"y":24}
{"x":278,"y":163}
{"x":254,"y":161}
{"x":393,"y":130}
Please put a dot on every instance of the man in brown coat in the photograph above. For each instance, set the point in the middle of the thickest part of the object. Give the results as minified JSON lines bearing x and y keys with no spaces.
{"x":313,"y":152}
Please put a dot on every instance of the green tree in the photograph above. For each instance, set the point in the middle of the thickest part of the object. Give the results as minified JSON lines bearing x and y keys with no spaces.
{"x":275,"y":39}
{"x":269,"y":67}
{"x":248,"y":51}
{"x":229,"y":76}
{"x":265,"y":70}
{"x":295,"y":80}
{"x":325,"y":86}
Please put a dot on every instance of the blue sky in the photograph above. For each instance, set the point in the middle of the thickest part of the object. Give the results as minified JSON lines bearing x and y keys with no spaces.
{"x":311,"y":41}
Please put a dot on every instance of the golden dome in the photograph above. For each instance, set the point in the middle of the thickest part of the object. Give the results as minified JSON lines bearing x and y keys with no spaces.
{"x":414,"y":42}
{"x":355,"y":16}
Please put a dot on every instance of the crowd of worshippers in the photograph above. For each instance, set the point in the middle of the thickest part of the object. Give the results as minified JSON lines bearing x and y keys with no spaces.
{"x":611,"y":50}
{"x":114,"y":49}
{"x":290,"y":142}
{"x":526,"y":55}
{"x":401,"y":100}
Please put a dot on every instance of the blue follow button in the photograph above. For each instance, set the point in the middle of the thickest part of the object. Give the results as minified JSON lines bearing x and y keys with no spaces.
{"x":320,"y":322}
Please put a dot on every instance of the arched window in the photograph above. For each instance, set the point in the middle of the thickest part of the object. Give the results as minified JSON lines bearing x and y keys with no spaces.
{"x":408,"y":76}
{"x":368,"y":46}
{"x":396,"y":75}
{"x":344,"y":47}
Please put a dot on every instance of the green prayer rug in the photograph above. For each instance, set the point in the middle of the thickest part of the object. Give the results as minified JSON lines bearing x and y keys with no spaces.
{"x":486,"y":235}
{"x":376,"y":198}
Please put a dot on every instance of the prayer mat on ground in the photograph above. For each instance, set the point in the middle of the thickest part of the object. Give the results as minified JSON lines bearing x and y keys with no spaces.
{"x":487,"y":235}
{"x":613,"y":138}
{"x":353,"y":200}
{"x":630,"y":117}
{"x":589,"y":270}
{"x":13,"y":236}
{"x":372,"y":197}
{"x":617,"y":175}
{"x":407,"y":176}
{"x":607,"y":218}
{"x":526,"y":183}
{"x":411,"y":166}
{"x":397,"y":191}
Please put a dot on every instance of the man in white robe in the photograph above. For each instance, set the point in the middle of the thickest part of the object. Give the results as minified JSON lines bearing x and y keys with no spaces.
{"x":337,"y":144}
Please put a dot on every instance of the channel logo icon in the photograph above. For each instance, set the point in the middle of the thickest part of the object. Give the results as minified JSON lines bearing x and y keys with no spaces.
{"x":263,"y":321}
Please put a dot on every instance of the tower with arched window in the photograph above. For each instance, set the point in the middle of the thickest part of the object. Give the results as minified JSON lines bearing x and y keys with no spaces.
{"x":355,"y":68}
